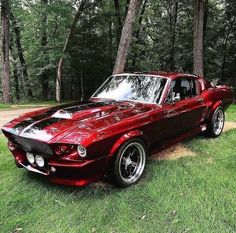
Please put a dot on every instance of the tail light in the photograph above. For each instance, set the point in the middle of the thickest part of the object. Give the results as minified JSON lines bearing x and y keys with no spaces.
{"x":63,"y":149}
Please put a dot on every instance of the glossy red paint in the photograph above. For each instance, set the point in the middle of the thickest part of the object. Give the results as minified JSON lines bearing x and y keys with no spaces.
{"x":102,"y":126}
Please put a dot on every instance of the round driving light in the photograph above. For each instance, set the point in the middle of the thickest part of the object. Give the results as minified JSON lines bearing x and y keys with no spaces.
{"x":81,"y":151}
{"x":39,"y":160}
{"x":30,"y":157}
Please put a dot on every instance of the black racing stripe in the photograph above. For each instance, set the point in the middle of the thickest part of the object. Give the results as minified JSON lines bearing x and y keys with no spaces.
{"x":42,"y":124}
{"x":69,"y":108}
{"x":20,"y":126}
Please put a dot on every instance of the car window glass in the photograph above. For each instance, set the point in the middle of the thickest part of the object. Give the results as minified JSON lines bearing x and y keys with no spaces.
{"x":142,"y":88}
{"x":181,"y":89}
{"x":185,"y":89}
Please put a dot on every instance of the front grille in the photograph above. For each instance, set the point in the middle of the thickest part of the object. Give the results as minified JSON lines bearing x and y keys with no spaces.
{"x":31,"y":145}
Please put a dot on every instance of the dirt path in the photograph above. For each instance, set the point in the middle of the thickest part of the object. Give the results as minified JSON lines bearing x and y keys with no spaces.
{"x":7,"y":115}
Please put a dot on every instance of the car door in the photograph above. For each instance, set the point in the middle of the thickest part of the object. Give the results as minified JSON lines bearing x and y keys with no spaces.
{"x":165,"y":121}
{"x":183,"y":109}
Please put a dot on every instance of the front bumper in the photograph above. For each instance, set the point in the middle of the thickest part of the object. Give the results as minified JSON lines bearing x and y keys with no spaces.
{"x":72,"y":173}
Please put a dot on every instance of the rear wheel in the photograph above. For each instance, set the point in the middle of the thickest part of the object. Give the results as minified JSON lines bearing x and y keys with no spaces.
{"x":216,"y":125}
{"x":130,"y":162}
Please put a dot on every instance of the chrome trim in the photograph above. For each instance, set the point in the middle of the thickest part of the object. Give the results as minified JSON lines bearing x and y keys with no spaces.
{"x":32,"y":169}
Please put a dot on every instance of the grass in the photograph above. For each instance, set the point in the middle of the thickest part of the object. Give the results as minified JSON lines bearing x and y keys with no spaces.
{"x":231,"y":113}
{"x":191,"y":194}
{"x":4,"y":106}
{"x":30,"y":104}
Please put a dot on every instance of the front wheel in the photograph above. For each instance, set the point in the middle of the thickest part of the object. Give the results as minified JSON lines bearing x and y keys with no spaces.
{"x":130,"y":162}
{"x":216,"y":125}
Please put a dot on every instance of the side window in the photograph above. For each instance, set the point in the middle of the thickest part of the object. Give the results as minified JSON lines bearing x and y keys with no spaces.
{"x":185,"y":89}
{"x":182,"y":89}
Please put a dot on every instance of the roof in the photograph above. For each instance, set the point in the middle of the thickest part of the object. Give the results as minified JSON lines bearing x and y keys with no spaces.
{"x":171,"y":75}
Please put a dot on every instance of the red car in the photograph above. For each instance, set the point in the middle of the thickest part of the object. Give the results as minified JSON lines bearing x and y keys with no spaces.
{"x":129,"y":117}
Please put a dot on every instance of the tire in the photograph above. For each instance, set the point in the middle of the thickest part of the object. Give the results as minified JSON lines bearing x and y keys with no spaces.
{"x":130,"y":162}
{"x":216,"y":125}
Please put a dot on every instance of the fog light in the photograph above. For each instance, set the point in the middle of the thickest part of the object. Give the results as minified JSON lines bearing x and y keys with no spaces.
{"x":39,"y":160}
{"x":30,"y":157}
{"x":81,"y":151}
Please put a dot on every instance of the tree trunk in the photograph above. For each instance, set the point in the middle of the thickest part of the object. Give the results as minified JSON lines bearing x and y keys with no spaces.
{"x":174,"y":16}
{"x":119,"y":21}
{"x":20,"y":52}
{"x":222,"y":79}
{"x":136,"y":34}
{"x":68,"y":38}
{"x":126,"y":36}
{"x":5,"y":14}
{"x":15,"y":69}
{"x":127,"y":7}
{"x":44,"y":42}
{"x":198,"y":18}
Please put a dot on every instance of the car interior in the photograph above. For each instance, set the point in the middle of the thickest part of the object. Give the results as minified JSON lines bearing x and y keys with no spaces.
{"x":181,"y":89}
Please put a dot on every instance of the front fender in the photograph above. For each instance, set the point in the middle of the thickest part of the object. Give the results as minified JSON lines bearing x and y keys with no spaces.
{"x":126,"y":137}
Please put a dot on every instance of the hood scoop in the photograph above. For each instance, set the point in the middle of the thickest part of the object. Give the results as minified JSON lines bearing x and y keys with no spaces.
{"x":62,"y":114}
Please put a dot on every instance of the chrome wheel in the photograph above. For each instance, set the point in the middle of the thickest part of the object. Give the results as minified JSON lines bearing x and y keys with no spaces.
{"x":132,"y":162}
{"x":218,"y":122}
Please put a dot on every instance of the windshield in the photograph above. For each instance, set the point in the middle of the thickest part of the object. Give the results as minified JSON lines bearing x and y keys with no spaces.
{"x":141,"y":88}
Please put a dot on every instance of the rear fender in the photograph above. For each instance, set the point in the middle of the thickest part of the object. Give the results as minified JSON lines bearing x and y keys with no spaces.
{"x":213,"y":108}
{"x":124,"y":138}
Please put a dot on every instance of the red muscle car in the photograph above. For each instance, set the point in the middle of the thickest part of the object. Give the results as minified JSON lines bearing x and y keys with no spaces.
{"x":129,"y":117}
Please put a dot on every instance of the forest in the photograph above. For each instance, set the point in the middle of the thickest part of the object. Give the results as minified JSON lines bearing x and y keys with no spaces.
{"x":64,"y":49}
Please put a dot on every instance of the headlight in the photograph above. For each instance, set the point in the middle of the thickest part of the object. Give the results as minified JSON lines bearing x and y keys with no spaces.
{"x":30,"y":157}
{"x":39,"y":160}
{"x":81,"y":151}
{"x":63,"y":149}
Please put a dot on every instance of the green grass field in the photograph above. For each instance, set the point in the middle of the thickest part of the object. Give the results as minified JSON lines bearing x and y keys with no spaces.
{"x":190,"y":194}
{"x":4,"y":106}
{"x":30,"y":104}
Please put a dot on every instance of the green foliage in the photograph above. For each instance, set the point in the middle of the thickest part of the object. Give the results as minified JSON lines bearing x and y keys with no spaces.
{"x":91,"y":53}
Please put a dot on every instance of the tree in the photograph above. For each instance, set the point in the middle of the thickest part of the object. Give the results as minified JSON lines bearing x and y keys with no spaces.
{"x":198,"y":22}
{"x":126,"y":36}
{"x":68,"y":38}
{"x":5,"y":15}
{"x":136,"y":34}
{"x":119,"y":21}
{"x":26,"y":83}
{"x":44,"y":42}
{"x":173,"y":15}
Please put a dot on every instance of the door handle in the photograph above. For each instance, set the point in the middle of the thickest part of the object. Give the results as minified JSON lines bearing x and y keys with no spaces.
{"x":170,"y":111}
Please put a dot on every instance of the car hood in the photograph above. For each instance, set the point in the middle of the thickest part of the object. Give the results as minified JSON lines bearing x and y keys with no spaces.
{"x":81,"y":120}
